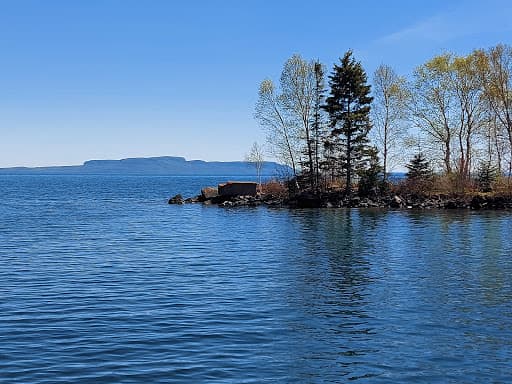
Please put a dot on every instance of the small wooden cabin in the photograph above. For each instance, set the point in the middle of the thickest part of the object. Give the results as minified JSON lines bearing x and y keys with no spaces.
{"x":237,"y":188}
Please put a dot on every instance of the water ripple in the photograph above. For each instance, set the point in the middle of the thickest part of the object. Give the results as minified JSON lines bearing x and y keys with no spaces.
{"x":101,"y":281}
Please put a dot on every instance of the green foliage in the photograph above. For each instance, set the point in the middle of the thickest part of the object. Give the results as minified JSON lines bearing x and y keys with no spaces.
{"x":348,"y":106}
{"x":419,"y":176}
{"x":318,"y":125}
{"x":487,"y":175}
{"x":419,"y":168}
{"x":371,"y":177}
{"x":460,"y":105}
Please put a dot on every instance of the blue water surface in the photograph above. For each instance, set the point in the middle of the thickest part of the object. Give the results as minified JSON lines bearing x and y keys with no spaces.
{"x":102,"y":282}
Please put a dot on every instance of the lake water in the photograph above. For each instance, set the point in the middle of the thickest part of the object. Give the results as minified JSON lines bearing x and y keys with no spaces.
{"x":102,"y":282}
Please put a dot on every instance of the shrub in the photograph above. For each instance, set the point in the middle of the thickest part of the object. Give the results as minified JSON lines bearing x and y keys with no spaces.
{"x":274,"y":188}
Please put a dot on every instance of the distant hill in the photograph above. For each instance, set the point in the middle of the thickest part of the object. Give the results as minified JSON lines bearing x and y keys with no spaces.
{"x":166,"y":165}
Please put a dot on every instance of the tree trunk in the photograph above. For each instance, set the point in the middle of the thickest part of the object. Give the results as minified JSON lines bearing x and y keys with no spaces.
{"x":385,"y":149}
{"x":348,"y":187}
{"x":310,"y":159}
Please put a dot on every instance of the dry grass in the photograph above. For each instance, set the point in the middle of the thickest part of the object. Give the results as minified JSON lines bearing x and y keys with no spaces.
{"x":440,"y":185}
{"x":503,"y":186}
{"x":451,"y":185}
{"x":274,"y":188}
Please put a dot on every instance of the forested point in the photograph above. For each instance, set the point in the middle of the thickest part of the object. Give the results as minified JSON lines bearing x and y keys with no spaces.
{"x":448,"y":127}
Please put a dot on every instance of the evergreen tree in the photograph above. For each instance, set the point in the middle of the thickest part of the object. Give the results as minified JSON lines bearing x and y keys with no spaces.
{"x":487,"y":176}
{"x":318,"y":121}
{"x":348,"y":106}
{"x":371,"y":178}
{"x":419,"y":168}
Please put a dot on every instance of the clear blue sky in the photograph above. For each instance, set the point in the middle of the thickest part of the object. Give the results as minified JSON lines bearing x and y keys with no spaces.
{"x":111,"y":79}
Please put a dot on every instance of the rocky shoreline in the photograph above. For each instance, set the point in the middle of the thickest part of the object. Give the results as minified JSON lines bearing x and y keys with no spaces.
{"x":231,"y":201}
{"x":209,"y":196}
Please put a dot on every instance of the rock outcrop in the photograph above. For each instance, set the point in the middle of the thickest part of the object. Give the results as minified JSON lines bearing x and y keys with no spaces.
{"x":336,"y":199}
{"x":208,"y":193}
{"x":177,"y":199}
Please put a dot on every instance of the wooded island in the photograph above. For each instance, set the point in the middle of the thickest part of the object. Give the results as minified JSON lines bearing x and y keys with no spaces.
{"x":449,"y":126}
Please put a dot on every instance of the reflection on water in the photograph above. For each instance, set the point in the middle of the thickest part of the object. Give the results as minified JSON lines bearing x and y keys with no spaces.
{"x":101,"y":281}
{"x":412,"y":296}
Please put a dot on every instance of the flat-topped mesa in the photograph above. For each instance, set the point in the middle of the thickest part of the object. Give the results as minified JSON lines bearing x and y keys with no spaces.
{"x":237,"y":188}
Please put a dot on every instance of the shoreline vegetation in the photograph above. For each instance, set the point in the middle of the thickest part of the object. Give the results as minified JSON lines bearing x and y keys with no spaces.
{"x":449,"y":125}
{"x":397,"y":196}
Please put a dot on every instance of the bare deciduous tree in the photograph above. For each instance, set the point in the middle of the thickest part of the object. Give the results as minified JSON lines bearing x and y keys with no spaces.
{"x":297,"y":86}
{"x":469,"y":108}
{"x":498,"y":89}
{"x":282,"y":135}
{"x":389,"y":112}
{"x":256,"y":157}
{"x":292,"y":115}
{"x":431,"y":106}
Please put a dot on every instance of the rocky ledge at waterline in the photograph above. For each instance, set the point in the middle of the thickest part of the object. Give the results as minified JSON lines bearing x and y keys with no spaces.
{"x":211,"y":196}
{"x":231,"y":194}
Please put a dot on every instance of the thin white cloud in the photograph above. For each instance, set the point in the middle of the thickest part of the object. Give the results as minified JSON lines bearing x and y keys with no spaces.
{"x":431,"y":29}
{"x":472,"y":18}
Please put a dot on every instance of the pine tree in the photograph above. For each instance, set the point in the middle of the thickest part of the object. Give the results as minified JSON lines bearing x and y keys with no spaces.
{"x":419,"y":168}
{"x":371,"y":178}
{"x":487,"y":176}
{"x":348,"y":107}
{"x":318,"y":123}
